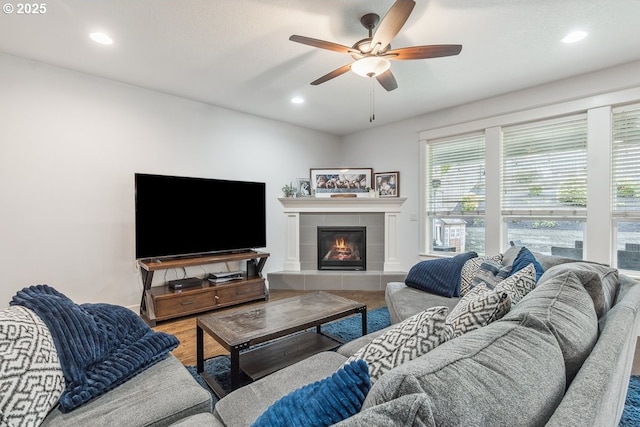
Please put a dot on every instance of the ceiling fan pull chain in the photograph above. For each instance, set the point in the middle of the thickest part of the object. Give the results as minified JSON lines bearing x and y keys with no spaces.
{"x":372,"y":110}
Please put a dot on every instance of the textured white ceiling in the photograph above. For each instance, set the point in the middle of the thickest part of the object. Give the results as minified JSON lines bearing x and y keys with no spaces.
{"x":236,"y":53}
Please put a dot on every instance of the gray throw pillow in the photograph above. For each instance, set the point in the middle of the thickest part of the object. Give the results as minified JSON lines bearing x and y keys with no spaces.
{"x":510,"y":255}
{"x":600,"y":281}
{"x":564,"y":305}
{"x":509,"y":373}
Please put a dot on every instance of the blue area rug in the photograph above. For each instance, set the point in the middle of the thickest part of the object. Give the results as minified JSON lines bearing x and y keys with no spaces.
{"x":346,"y":329}
{"x":631,"y":414}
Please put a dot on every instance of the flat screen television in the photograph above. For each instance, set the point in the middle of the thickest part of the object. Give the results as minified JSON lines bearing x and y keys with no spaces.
{"x":180,"y":216}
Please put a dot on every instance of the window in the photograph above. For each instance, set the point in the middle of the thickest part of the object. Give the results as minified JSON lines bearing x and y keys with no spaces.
{"x":544,"y":185}
{"x":625,"y":187}
{"x":455,"y":199}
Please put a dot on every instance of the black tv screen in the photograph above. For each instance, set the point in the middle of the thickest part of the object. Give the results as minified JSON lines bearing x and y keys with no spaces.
{"x":178,"y":216}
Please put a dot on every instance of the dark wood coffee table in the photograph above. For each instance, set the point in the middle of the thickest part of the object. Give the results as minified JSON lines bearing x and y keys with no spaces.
{"x":292,"y":318}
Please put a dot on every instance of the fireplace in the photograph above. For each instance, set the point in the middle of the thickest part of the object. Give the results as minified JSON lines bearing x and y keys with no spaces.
{"x":342,"y":248}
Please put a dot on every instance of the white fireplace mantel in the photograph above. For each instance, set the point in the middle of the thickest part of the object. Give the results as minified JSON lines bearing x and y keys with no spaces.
{"x":293,"y":207}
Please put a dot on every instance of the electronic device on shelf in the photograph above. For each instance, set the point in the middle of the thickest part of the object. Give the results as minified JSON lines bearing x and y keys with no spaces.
{"x":226,"y":276}
{"x":187,"y":282}
{"x":171,"y":220}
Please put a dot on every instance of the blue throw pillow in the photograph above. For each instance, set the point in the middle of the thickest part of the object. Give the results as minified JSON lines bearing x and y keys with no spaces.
{"x":322,"y":403}
{"x":439,"y":276}
{"x":524,"y":258}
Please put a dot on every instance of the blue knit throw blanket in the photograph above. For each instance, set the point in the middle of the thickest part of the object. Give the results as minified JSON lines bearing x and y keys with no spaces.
{"x":100,"y":346}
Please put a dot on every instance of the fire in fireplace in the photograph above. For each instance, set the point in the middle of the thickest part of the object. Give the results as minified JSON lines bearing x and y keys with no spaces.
{"x":342,"y":248}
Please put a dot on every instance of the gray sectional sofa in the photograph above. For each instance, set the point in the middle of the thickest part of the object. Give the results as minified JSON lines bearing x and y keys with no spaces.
{"x":561,"y":356}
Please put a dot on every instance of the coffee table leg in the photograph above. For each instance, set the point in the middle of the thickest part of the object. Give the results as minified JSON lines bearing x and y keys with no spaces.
{"x":364,"y":321}
{"x":199,"y":350}
{"x":235,"y":368}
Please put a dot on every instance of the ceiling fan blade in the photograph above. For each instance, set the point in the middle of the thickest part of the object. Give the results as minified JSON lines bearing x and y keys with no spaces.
{"x":335,"y":73}
{"x":323,"y":44}
{"x":387,"y":80}
{"x":423,"y":52}
{"x":392,"y":23}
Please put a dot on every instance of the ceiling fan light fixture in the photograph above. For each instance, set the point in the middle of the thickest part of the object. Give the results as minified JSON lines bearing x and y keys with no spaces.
{"x":370,"y":66}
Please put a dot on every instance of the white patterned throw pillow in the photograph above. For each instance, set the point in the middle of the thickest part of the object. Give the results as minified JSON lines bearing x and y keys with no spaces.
{"x":520,"y":284}
{"x":31,"y":379}
{"x":479,"y":307}
{"x":470,"y":268}
{"x":405,"y":341}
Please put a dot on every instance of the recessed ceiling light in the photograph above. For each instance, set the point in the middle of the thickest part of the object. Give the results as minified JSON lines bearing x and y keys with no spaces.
{"x":101,"y":38}
{"x":574,"y":36}
{"x":297,"y":100}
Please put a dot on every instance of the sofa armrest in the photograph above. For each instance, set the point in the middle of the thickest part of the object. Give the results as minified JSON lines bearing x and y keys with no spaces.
{"x":403,"y":301}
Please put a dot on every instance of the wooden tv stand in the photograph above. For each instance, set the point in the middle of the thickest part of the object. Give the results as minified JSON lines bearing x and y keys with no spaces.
{"x":162,"y":303}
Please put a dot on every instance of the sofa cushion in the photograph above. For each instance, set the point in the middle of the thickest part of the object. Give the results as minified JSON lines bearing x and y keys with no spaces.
{"x":243,"y":406}
{"x":405,"y":341}
{"x":479,"y":307}
{"x":31,"y":379}
{"x":470,"y":380}
{"x":100,"y":346}
{"x":410,"y":410}
{"x":204,"y":419}
{"x":471,"y":267}
{"x":439,"y":276}
{"x":321,"y":403}
{"x":524,"y":258}
{"x":600,"y":281}
{"x":156,"y":397}
{"x":564,"y":305}
{"x":519,"y":285}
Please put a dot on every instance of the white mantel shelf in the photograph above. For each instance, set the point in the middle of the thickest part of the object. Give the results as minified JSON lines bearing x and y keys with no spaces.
{"x":342,"y":204}
{"x":293,"y":207}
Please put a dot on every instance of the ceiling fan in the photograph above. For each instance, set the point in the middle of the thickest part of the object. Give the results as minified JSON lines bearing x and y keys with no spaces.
{"x":372,"y":55}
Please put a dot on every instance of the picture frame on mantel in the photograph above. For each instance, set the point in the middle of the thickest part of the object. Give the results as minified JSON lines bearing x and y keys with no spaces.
{"x":304,"y":187}
{"x":387,"y":184}
{"x":343,"y":182}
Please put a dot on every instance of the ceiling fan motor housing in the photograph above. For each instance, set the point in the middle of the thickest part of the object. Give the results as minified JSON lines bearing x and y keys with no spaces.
{"x":372,"y":54}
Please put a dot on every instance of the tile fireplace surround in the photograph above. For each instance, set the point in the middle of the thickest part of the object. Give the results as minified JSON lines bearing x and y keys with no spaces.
{"x":303,"y":215}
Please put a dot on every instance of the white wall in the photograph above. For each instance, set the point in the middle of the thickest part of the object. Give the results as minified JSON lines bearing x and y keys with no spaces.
{"x":397,"y":146}
{"x":70,"y":145}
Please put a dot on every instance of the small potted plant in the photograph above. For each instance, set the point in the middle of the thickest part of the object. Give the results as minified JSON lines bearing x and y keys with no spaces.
{"x":289,"y":190}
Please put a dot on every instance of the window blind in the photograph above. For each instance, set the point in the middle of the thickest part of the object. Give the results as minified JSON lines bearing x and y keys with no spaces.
{"x":544,"y":168}
{"x":455,"y":181}
{"x":625,"y":163}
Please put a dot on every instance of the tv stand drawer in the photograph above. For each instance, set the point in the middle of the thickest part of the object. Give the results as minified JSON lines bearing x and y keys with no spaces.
{"x":183,"y":303}
{"x":240,"y":293}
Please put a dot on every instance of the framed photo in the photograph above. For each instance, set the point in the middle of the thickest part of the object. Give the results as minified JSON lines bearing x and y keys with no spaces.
{"x":345,"y":182}
{"x":387,"y":184}
{"x":304,"y":187}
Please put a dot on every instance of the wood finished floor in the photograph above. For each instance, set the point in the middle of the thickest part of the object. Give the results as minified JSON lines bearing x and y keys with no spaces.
{"x":185,"y":328}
